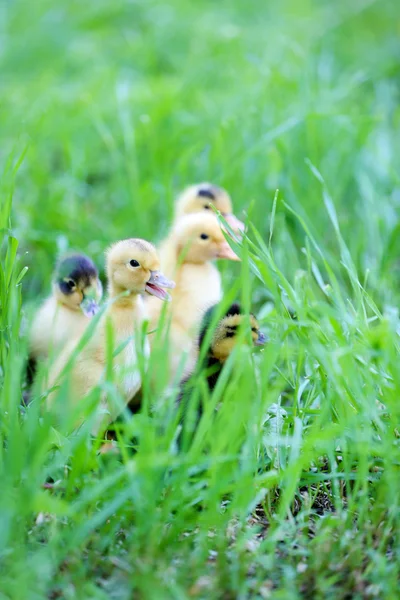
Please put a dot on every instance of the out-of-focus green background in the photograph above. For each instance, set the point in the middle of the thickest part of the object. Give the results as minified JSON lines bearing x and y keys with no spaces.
{"x":123,"y":103}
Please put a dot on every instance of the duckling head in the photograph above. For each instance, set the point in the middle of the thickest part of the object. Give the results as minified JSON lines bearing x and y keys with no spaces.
{"x":76,"y":284}
{"x":133,"y":265}
{"x":200,"y":197}
{"x":226,"y":333}
{"x":199,"y":239}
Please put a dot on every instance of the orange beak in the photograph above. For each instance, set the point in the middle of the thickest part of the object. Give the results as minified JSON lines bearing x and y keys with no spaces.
{"x":225,"y":251}
{"x":234,"y":223}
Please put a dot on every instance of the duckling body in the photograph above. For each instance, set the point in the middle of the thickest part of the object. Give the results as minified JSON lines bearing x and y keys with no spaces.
{"x":54,"y":325}
{"x":127,"y":320}
{"x":89,"y":369}
{"x":224,"y":337}
{"x":76,"y":291}
{"x":132,"y":267}
{"x":199,"y":288}
{"x":194,"y":242}
{"x":223,"y":340}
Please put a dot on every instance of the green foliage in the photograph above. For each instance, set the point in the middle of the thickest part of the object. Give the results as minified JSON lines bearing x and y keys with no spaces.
{"x":291,"y":489}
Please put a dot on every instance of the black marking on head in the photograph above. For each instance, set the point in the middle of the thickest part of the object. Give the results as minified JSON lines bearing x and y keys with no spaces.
{"x":231,"y":330}
{"x":206,"y":193}
{"x":234,"y":309}
{"x":77,"y":268}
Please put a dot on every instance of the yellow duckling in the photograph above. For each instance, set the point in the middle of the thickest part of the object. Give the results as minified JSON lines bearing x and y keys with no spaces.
{"x":187,"y":254}
{"x":76,"y":292}
{"x":199,"y":197}
{"x":224,"y":338}
{"x":132,"y":267}
{"x":221,"y":341}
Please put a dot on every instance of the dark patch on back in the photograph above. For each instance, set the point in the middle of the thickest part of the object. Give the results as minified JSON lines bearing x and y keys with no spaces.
{"x":208,"y":317}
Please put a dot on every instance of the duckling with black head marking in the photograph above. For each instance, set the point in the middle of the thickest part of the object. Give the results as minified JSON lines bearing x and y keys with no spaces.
{"x":225,"y":337}
{"x":132,"y":269}
{"x":199,"y":197}
{"x":76,"y":293}
{"x":230,"y":330}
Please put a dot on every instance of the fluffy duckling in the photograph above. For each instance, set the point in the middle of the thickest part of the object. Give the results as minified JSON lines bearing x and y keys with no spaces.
{"x":223,"y":340}
{"x":194,"y":242}
{"x":199,"y":197}
{"x":76,"y":292}
{"x":132,"y":267}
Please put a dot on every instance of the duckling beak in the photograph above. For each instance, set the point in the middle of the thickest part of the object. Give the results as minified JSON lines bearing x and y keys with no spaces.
{"x":261,"y":340}
{"x":234,"y":223}
{"x":89,"y":307}
{"x":225,"y":251}
{"x":155,"y":284}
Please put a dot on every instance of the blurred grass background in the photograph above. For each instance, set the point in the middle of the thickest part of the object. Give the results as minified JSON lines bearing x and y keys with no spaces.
{"x":115,"y":107}
{"x":124,"y":103}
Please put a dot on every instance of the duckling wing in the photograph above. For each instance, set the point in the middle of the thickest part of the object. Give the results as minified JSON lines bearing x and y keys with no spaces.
{"x":127,"y":368}
{"x":41,"y":330}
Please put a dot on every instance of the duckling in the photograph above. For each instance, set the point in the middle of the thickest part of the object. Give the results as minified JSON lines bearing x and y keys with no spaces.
{"x":132,"y":267}
{"x":223,"y":340}
{"x":76,"y":292}
{"x":187,"y":255}
{"x":199,"y":197}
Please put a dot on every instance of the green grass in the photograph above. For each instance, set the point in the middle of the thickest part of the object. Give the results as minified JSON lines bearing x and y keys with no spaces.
{"x":108,"y":109}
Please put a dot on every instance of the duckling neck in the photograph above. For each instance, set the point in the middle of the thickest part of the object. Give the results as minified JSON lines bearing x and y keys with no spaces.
{"x":182,"y":257}
{"x":126,"y":301}
{"x":127,"y":313}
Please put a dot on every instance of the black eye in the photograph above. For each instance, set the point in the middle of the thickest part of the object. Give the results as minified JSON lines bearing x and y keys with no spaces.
{"x":204,"y":236}
{"x":207,"y":206}
{"x":134,"y":263}
{"x":70,"y":283}
{"x":67,"y":286}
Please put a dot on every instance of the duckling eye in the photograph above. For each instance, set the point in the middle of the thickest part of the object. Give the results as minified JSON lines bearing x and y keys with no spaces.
{"x":231,"y":331}
{"x":207,"y":206}
{"x":134,"y":263}
{"x":204,"y":236}
{"x":70,"y":283}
